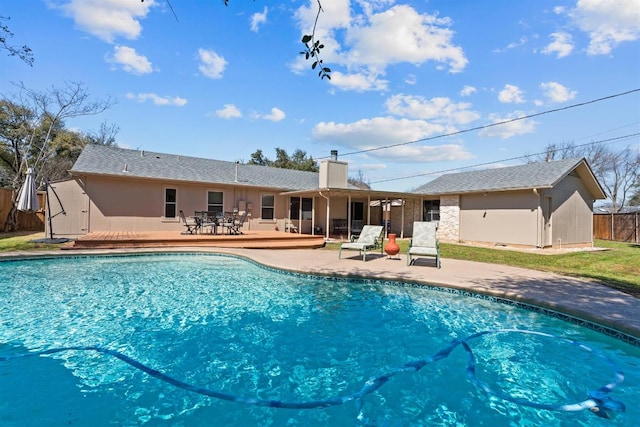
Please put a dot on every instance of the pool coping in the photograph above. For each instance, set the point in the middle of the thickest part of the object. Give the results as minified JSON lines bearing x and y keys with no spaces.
{"x":560,"y":296}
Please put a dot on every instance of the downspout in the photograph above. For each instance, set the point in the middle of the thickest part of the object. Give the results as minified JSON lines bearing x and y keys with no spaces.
{"x":300,"y":216}
{"x":402,"y":220}
{"x":349,"y":218}
{"x":326,"y":228}
{"x":538,"y":232}
{"x":388,"y":218}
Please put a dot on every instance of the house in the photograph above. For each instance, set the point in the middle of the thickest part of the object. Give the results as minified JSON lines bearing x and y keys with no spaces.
{"x":116,"y":189}
{"x":532,"y":205}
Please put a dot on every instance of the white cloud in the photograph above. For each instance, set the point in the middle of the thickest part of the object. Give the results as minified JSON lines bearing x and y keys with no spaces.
{"x":359,"y":82}
{"x":130,"y":61}
{"x":258,"y":18}
{"x":107,"y":19}
{"x":439,"y":110}
{"x":229,"y":111}
{"x":158,"y":100}
{"x":367,"y":37}
{"x":557,"y":93}
{"x":509,"y":129}
{"x":384,"y":131}
{"x":561,"y":46}
{"x":511,"y":95}
{"x":400,"y":34}
{"x":468,"y":90}
{"x":211,"y":65}
{"x":276,"y":115}
{"x":521,"y":42}
{"x":411,"y":79}
{"x":607,"y":22}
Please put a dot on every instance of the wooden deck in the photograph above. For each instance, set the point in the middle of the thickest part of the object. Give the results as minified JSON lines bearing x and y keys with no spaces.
{"x":159,"y":239}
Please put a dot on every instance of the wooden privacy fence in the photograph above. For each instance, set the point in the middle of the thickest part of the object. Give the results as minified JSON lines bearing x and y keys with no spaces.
{"x":622,"y":227}
{"x":26,"y":221}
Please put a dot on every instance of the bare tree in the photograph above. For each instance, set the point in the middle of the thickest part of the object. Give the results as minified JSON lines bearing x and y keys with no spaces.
{"x":618,"y":173}
{"x":359,"y":181}
{"x":635,"y":199}
{"x":28,"y":141}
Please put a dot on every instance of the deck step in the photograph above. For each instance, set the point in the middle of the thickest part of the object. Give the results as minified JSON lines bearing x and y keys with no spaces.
{"x":116,"y":240}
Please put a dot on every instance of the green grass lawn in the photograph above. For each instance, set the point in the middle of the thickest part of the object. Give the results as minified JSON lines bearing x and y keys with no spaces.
{"x":22,"y":241}
{"x":617,"y":267}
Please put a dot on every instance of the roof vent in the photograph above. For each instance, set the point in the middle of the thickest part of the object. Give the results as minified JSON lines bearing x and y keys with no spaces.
{"x":334,"y":155}
{"x":125,"y":169}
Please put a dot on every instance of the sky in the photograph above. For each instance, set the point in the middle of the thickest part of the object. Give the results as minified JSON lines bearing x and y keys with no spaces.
{"x":416,"y":87}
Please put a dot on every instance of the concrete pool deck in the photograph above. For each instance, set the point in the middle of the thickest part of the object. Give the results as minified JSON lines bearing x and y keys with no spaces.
{"x":583,"y":299}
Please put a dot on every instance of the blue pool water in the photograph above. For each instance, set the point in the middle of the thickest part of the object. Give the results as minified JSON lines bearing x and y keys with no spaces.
{"x":227,"y":325}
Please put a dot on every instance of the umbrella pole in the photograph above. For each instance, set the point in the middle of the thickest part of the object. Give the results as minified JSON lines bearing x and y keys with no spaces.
{"x":49,"y":210}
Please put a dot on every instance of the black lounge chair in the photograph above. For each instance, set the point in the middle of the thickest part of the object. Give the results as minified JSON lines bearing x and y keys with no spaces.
{"x":192,"y":226}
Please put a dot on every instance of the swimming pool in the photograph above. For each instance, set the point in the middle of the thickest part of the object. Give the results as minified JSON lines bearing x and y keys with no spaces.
{"x":231,"y":326}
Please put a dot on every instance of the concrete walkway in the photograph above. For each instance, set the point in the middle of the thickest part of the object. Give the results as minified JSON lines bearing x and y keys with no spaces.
{"x":583,"y":299}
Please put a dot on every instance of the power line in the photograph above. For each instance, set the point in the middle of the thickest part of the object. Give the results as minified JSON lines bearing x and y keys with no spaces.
{"x":529,"y":116}
{"x":503,"y":160}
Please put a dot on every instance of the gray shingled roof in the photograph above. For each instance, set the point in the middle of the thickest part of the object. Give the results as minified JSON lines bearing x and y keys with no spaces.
{"x":532,"y":175}
{"x":104,"y":160}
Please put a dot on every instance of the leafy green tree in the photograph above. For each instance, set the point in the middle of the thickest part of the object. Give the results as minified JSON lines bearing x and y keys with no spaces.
{"x":259,"y":159}
{"x":298,"y":160}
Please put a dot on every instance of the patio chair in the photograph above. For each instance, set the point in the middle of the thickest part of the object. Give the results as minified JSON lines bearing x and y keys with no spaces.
{"x":236,"y":223}
{"x":289,"y":226}
{"x":356,"y":227}
{"x":370,"y":238}
{"x":192,"y":226}
{"x":424,"y":242}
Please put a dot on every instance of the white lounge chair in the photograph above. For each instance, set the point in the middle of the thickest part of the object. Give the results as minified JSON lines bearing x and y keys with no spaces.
{"x":424,"y":242}
{"x":370,"y":238}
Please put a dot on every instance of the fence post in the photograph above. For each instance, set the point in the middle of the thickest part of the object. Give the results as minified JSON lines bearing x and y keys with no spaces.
{"x":613,"y":236}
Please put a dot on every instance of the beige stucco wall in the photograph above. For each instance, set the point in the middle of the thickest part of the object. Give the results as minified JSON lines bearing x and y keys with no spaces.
{"x":510,"y":217}
{"x":572,"y":216}
{"x":115,"y":204}
{"x":76,"y":207}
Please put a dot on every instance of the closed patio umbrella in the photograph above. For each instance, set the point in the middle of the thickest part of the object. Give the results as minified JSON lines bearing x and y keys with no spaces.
{"x":28,"y":197}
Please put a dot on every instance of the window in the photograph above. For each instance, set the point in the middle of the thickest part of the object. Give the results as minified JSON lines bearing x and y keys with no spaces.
{"x":214,"y":202}
{"x":431,"y":210}
{"x":307,"y":208}
{"x":268,"y":203}
{"x":170,"y":202}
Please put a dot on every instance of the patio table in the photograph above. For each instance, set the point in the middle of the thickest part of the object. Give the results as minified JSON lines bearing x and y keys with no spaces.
{"x":208,"y":219}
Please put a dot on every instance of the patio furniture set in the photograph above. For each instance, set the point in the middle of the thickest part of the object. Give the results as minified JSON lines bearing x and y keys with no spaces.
{"x":424,"y":242}
{"x":225,"y":222}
